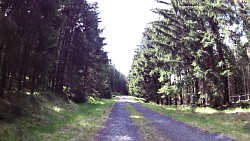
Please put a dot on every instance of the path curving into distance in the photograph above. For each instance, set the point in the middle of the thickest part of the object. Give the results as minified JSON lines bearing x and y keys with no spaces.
{"x":120,"y":127}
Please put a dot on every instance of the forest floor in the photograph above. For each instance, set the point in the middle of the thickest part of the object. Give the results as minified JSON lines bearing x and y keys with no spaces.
{"x":130,"y":121}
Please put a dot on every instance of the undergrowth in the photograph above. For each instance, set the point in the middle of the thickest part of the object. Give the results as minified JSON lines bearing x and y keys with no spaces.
{"x":56,"y":119}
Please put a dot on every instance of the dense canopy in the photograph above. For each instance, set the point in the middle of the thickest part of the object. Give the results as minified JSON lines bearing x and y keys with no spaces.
{"x":197,"y":52}
{"x":55,"y":45}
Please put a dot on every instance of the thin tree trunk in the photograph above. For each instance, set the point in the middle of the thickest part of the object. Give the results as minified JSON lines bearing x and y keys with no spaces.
{"x":11,"y":77}
{"x":181,"y":97}
{"x":33,"y":81}
{"x":157,"y":99}
{"x":3,"y":76}
{"x":197,"y":95}
{"x":175,"y":100}
{"x":167,"y":100}
{"x":20,"y":79}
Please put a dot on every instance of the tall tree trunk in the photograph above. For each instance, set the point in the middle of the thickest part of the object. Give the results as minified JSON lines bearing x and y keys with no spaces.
{"x":11,"y":77}
{"x":23,"y":65}
{"x":33,"y":81}
{"x":67,"y":35}
{"x":196,"y":90}
{"x":175,"y":100}
{"x":247,"y":82}
{"x":157,"y":99}
{"x":225,"y":95}
{"x":20,"y":79}
{"x":170,"y":100}
{"x":3,"y":76}
{"x":219,"y":46}
{"x":181,"y":97}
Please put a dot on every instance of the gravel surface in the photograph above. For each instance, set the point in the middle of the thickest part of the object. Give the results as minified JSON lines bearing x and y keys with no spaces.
{"x":177,"y":131}
{"x":119,"y":126}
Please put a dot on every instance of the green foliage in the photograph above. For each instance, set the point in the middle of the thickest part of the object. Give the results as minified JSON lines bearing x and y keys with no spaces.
{"x":57,"y":119}
{"x":195,"y":47}
{"x":57,"y":46}
{"x":168,"y":90}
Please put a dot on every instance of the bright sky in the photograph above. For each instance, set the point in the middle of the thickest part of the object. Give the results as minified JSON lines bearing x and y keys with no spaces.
{"x":124,"y":21}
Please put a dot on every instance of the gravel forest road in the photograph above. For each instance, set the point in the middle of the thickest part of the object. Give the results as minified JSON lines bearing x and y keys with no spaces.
{"x":120,"y":127}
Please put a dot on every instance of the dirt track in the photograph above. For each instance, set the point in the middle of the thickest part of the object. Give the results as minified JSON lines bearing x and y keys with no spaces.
{"x":120,"y":127}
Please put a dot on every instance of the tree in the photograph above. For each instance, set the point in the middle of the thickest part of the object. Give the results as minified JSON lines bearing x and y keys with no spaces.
{"x":57,"y":46}
{"x":196,"y":61}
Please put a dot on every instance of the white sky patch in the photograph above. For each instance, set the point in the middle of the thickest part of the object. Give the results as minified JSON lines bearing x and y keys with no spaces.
{"x":244,"y":39}
{"x":124,"y":21}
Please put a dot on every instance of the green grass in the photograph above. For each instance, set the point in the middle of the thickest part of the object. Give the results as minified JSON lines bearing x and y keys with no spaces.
{"x":58,"y":121}
{"x":148,"y":132}
{"x":230,"y":122}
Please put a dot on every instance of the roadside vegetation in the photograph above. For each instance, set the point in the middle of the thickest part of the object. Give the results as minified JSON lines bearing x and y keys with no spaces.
{"x":197,"y":54}
{"x":52,"y":57}
{"x":55,"y":118}
{"x":234,"y":123}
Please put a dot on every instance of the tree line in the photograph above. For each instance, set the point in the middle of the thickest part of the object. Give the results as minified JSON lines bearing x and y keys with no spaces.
{"x":55,"y":45}
{"x":196,"y":53}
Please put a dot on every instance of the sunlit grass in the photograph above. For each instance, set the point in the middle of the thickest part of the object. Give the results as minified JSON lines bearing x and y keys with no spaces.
{"x":232,"y":122}
{"x":138,"y":117}
{"x":237,"y":110}
{"x":63,"y":121}
{"x":148,"y":131}
{"x":206,"y":110}
{"x":57,"y":109}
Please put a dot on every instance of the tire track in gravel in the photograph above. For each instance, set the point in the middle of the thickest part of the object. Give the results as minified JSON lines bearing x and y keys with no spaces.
{"x":177,"y":131}
{"x":119,"y":126}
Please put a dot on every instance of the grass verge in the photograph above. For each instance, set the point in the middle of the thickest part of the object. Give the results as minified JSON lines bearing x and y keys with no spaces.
{"x":236,"y":125}
{"x":148,"y":132}
{"x":58,"y":121}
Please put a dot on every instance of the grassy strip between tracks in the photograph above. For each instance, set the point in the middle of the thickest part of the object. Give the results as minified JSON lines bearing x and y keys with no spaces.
{"x":148,"y":132}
